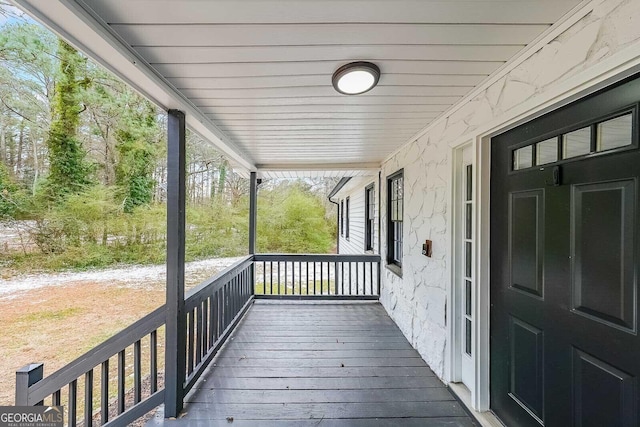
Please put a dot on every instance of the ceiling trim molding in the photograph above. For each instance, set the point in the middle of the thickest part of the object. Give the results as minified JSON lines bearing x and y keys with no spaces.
{"x":373,"y":167}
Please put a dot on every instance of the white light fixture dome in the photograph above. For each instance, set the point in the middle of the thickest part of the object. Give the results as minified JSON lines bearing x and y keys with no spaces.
{"x":356,"y":78}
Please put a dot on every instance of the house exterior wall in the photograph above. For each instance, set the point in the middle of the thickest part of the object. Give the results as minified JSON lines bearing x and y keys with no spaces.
{"x":355,"y":191}
{"x":418,"y":300}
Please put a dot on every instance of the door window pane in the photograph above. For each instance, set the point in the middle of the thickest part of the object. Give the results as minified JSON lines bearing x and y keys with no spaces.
{"x":467,"y":296}
{"x":615,"y":133}
{"x":576,"y":143}
{"x":469,"y":184}
{"x":523,"y":158}
{"x":467,"y":259}
{"x":468,"y":222}
{"x":547,"y":151}
{"x":468,"y":337}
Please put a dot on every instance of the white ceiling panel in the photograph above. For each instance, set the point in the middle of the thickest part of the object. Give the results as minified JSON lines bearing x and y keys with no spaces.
{"x":321,"y":80}
{"x":326,"y":67}
{"x":257,"y":73}
{"x":377,"y":52}
{"x":329,"y":100}
{"x":296,"y":11}
{"x":336,"y":34}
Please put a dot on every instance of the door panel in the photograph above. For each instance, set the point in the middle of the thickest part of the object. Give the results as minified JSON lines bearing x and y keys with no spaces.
{"x":526,"y":376}
{"x":526,"y":228}
{"x":565,"y":349}
{"x":603,"y":395}
{"x":602,"y":235}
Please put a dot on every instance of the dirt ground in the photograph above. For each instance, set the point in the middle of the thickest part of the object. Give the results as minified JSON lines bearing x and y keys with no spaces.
{"x":58,"y":320}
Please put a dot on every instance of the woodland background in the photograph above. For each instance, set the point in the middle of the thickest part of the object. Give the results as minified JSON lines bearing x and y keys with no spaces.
{"x":83,"y":170}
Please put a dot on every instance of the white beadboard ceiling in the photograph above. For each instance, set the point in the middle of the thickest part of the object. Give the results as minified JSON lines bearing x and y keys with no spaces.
{"x":254,"y":76}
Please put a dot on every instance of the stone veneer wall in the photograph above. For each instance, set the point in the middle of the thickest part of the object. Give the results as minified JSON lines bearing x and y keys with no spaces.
{"x":417,"y":301}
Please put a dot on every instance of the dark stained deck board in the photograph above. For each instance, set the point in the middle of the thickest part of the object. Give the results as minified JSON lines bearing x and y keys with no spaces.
{"x":329,"y":364}
{"x":324,"y":346}
{"x":319,"y":363}
{"x":346,"y":383}
{"x":319,"y":354}
{"x":337,"y":372}
{"x":321,"y":396}
{"x":297,"y":411}
{"x":345,"y":422}
{"x":314,"y":339}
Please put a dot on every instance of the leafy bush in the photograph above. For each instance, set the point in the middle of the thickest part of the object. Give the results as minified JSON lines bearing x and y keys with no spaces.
{"x":8,"y":190}
{"x":292,"y":220}
{"x":92,"y":229}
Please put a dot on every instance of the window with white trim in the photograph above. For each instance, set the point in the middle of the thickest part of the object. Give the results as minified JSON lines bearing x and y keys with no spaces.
{"x":395,"y":200}
{"x":369,"y":216}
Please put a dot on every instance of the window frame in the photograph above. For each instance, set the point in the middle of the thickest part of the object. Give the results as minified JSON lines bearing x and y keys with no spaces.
{"x":369,"y":221}
{"x":395,"y":228}
{"x":342,"y":218}
{"x":347,"y":205}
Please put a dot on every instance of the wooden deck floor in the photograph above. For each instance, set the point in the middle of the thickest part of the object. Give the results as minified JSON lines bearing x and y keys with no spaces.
{"x":333,"y":364}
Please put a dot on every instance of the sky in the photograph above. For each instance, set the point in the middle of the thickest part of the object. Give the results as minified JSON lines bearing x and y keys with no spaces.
{"x":10,"y":14}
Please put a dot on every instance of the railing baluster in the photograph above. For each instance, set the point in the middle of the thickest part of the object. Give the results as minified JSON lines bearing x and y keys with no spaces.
{"x":321,"y":278}
{"x":153,"y":360}
{"x":278,"y":277}
{"x":342,"y":278}
{"x":285,"y":277}
{"x":121,"y":378}
{"x":55,"y":398}
{"x":137,"y":372}
{"x":227,"y":305}
{"x":221,"y":311}
{"x":378,"y":279}
{"x":300,"y":278}
{"x":88,"y":398}
{"x":314,"y":279}
{"x":234,"y":297}
{"x":190,"y":337}
{"x":104,"y":393}
{"x":218,"y":313}
{"x":357,"y":278}
{"x":335,"y":278}
{"x":371,"y":277}
{"x":205,"y":327}
{"x":236,"y":294}
{"x":271,"y":276}
{"x":73,"y":396}
{"x":350,"y":281}
{"x":199,"y":334}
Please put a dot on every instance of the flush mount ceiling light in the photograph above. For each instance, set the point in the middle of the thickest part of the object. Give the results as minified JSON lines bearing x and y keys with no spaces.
{"x":356,"y":78}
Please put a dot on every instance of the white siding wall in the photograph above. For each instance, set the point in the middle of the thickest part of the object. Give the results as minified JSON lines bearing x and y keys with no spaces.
{"x":418,"y":300}
{"x":355,"y":190}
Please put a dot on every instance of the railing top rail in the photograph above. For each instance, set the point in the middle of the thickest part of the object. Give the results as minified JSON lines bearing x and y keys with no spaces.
{"x":97,"y":355}
{"x":317,"y":257}
{"x":204,"y":289}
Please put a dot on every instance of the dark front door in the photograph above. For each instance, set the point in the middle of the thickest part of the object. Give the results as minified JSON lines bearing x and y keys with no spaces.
{"x":565,"y":224}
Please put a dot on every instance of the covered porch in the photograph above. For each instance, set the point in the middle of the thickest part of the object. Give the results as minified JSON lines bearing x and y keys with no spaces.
{"x":257,"y":80}
{"x":309,"y":363}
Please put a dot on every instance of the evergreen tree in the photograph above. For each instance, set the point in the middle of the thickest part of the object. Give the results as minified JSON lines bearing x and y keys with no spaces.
{"x":137,"y":154}
{"x":69,"y":172}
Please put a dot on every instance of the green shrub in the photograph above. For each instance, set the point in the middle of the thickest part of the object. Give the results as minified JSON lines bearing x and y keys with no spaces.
{"x":292,"y":220}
